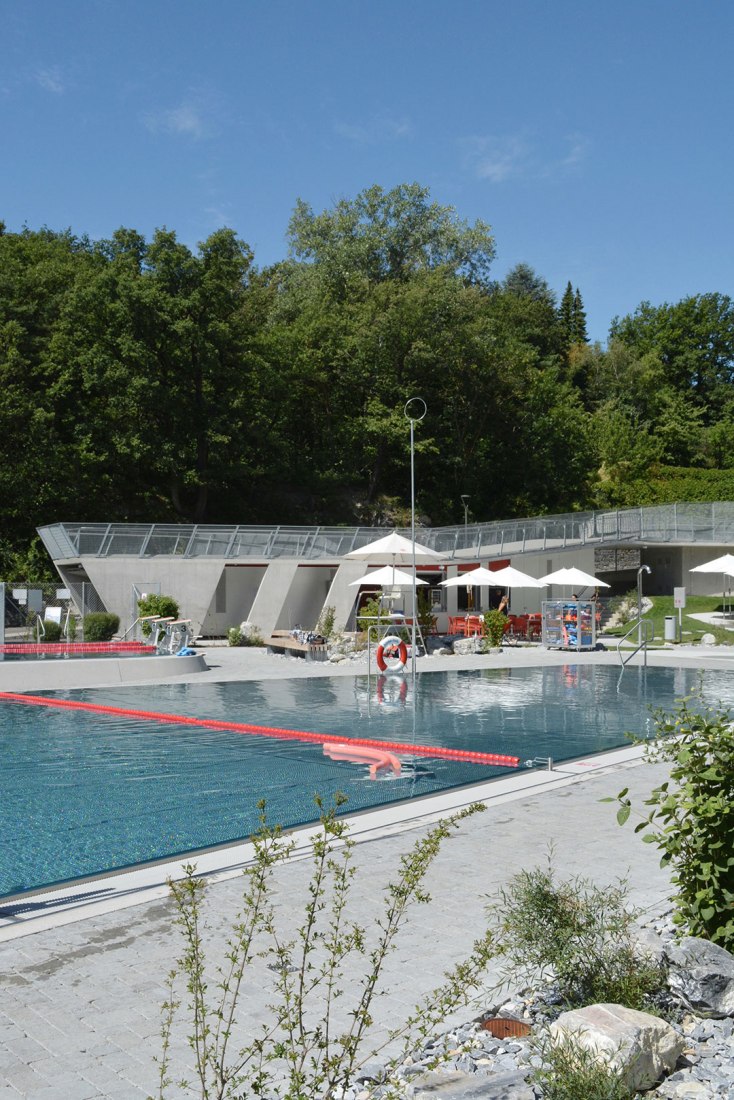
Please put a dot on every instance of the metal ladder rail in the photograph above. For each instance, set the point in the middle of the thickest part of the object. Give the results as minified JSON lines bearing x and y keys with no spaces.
{"x":645,"y":636}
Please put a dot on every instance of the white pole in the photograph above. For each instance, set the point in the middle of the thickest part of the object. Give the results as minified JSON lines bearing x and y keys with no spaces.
{"x":412,"y":419}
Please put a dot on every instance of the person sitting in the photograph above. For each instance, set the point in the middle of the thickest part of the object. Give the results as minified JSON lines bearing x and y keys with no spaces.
{"x":503,"y":605}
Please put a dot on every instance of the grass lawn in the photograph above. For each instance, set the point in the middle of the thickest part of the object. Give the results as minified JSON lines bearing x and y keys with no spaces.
{"x":692,"y":628}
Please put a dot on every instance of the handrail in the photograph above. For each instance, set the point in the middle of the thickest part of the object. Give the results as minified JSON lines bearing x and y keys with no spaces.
{"x":40,"y":629}
{"x":645,"y":637}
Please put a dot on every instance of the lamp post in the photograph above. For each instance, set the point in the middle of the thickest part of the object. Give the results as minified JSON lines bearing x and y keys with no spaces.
{"x":414,"y":416}
{"x":465,"y":502}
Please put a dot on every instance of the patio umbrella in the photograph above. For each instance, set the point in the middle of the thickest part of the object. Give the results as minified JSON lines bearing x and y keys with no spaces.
{"x":723,"y":565}
{"x":574,"y":578}
{"x":514,"y":578}
{"x":474,"y":577}
{"x":397,"y":546}
{"x":388,"y":575}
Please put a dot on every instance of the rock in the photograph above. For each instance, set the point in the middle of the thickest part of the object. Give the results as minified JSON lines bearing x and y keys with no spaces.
{"x":708,"y":639}
{"x":457,"y":1086}
{"x":463,"y":646}
{"x":650,"y":944}
{"x":702,"y":975}
{"x":643,"y":1046}
{"x":336,"y":658}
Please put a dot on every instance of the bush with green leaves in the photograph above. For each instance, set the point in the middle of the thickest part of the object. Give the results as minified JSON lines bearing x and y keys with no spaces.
{"x":325,"y":625}
{"x":155,"y":604}
{"x":51,"y":631}
{"x":493,"y":627}
{"x":245,"y":635}
{"x":100,"y":626}
{"x":575,"y":935}
{"x":313,"y":1041}
{"x":691,"y":820}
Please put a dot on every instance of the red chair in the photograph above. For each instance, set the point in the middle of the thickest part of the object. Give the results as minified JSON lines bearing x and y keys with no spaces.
{"x":473,"y":626}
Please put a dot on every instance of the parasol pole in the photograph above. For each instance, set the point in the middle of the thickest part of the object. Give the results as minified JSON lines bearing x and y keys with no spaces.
{"x":412,"y":418}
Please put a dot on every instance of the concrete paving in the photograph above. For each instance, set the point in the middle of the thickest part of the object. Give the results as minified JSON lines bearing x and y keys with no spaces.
{"x":84,"y":968}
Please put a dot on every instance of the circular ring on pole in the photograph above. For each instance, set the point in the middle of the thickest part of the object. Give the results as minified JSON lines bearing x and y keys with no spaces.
{"x":409,"y":416}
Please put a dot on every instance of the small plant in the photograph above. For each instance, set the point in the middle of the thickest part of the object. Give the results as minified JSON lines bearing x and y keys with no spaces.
{"x":325,"y":625}
{"x":493,"y":627}
{"x":691,"y":819}
{"x":51,"y":631}
{"x":575,"y":935}
{"x":72,"y":628}
{"x":564,"y":1069}
{"x":426,"y":619}
{"x":244,"y":635}
{"x":318,"y":1052}
{"x":100,"y":626}
{"x":153,"y":604}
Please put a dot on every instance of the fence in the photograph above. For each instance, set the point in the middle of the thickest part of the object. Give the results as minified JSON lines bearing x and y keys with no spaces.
{"x":29,"y":605}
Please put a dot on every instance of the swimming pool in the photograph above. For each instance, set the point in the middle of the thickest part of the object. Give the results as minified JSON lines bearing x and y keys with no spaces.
{"x":85,"y":793}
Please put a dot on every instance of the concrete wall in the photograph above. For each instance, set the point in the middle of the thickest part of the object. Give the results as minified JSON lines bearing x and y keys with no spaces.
{"x":233,"y":598}
{"x":306,"y":597}
{"x":191,"y":582}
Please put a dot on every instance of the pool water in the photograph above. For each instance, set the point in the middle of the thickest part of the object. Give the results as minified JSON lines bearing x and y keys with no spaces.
{"x":82,"y":793}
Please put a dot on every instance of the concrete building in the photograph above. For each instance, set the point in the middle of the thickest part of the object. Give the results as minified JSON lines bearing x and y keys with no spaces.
{"x":283,"y":577}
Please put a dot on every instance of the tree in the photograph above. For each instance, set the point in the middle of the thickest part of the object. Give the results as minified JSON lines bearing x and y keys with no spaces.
{"x":389,"y":235}
{"x":694,"y":341}
{"x":580,"y":335}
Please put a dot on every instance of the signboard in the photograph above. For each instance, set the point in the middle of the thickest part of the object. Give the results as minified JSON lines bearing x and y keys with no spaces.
{"x":679,"y":597}
{"x":63,"y":594}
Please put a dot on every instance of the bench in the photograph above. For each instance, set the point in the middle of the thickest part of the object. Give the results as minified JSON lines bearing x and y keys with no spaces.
{"x":282,"y":641}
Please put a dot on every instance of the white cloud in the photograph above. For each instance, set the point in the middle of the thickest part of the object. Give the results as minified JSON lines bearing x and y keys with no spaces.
{"x":51,"y":80}
{"x":374,"y":131}
{"x":497,"y":158}
{"x":187,"y":120}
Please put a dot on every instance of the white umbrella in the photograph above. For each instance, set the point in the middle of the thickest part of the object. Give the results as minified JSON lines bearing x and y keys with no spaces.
{"x":388,"y":575}
{"x":475,"y":577}
{"x":397,"y":546}
{"x":724,"y":564}
{"x":514,"y":578}
{"x":574,"y":578}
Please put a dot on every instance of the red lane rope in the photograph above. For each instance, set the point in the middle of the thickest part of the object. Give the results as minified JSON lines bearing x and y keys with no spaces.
{"x":76,"y":647}
{"x":267,"y":731}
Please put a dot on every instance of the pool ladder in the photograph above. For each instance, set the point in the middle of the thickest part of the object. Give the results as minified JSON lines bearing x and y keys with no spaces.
{"x":645,"y":634}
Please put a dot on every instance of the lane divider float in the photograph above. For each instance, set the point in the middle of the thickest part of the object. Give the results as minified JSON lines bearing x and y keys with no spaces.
{"x":487,"y":758}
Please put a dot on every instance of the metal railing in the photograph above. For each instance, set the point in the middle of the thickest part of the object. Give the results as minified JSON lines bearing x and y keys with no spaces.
{"x":677,"y":523}
{"x":644,"y":637}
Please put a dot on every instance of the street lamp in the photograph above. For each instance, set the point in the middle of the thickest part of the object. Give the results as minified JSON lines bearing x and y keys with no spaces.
{"x":465,"y":502}
{"x":413,"y":415}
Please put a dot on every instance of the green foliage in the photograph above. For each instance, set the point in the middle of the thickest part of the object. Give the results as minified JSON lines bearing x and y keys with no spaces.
{"x":72,"y":627}
{"x":236,"y":636}
{"x":566,"y":1070}
{"x":493,"y":626}
{"x":369,"y":610}
{"x":51,"y":631}
{"x":577,"y":935}
{"x":155,"y":604}
{"x":325,"y":625}
{"x":691,"y":820}
{"x":318,"y":1044}
{"x":426,"y":619}
{"x":100,"y":626}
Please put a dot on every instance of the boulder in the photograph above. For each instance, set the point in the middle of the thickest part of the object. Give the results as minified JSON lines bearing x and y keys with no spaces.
{"x":644,"y":1047}
{"x":466,"y":645}
{"x":458,"y":1086}
{"x":702,"y":975}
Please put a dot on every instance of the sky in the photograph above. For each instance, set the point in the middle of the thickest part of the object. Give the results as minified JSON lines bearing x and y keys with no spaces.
{"x":594,"y":137}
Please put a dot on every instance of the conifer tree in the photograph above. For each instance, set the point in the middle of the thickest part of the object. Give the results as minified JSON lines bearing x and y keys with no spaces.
{"x":580,"y":335}
{"x":565,"y":313}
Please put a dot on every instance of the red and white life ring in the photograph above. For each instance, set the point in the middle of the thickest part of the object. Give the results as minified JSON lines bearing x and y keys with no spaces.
{"x":387,"y":648}
{"x":391,"y":692}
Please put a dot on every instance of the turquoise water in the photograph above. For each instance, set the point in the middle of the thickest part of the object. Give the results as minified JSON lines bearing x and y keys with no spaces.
{"x":83,"y":793}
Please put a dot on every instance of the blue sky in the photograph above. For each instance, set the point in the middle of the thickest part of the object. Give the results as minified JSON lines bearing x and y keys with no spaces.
{"x":595,"y":138}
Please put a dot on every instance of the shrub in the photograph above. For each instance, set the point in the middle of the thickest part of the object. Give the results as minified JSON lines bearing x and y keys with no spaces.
{"x":52,"y":631}
{"x":325,"y":625}
{"x":575,"y":934}
{"x":244,"y":635}
{"x":566,"y":1070}
{"x":153,"y":604}
{"x":100,"y":626}
{"x":692,"y":816}
{"x":493,"y":627}
{"x":302,"y":1038}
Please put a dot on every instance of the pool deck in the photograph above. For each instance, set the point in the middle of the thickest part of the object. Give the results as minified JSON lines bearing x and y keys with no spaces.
{"x":84,"y":967}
